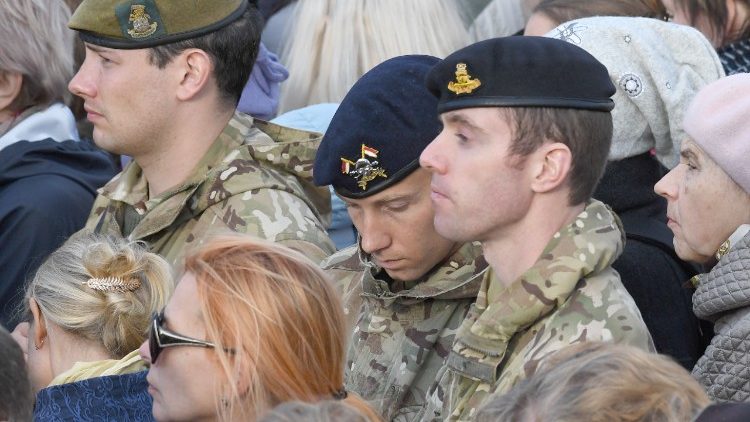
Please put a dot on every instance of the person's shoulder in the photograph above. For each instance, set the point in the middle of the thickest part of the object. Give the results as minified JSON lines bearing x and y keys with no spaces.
{"x":346,"y":259}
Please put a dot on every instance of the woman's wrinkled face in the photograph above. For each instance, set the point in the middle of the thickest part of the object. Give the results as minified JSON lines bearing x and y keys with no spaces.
{"x":185,"y":382}
{"x":705,"y":206}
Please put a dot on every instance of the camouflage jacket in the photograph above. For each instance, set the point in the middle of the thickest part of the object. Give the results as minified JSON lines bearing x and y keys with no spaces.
{"x":256,"y":178}
{"x":402,"y":332}
{"x":570,"y":295}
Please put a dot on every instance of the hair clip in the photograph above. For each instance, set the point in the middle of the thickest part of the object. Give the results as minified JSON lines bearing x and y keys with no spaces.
{"x":113,"y":284}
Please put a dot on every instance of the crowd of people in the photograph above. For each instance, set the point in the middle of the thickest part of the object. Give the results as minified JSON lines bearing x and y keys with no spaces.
{"x":383,"y":210}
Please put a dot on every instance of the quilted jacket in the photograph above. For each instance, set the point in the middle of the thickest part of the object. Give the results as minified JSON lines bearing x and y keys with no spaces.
{"x":723,"y":296}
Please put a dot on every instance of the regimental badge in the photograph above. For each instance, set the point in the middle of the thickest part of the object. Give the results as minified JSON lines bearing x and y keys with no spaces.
{"x":464,"y":84}
{"x":141,"y":23}
{"x":364,"y":170}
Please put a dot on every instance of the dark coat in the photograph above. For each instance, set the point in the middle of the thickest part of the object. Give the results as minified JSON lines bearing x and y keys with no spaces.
{"x":121,"y":398}
{"x":46,"y":192}
{"x":650,"y":270}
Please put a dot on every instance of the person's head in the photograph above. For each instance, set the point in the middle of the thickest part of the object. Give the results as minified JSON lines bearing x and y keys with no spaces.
{"x":36,"y":55}
{"x":324,"y":411}
{"x":601,"y":382}
{"x":550,"y":13}
{"x":708,"y":193}
{"x":96,"y":293}
{"x":332,"y":43}
{"x":657,"y":68}
{"x":721,"y":21}
{"x":370,"y":155}
{"x":147,"y":61}
{"x":523,"y":118}
{"x":16,"y":398}
{"x":271,"y":326}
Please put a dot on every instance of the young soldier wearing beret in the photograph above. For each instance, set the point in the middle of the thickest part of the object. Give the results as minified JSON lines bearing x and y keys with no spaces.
{"x":526,"y":134}
{"x":161,"y":81}
{"x":406,"y":288}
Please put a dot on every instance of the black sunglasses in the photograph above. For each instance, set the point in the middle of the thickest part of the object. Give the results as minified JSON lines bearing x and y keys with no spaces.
{"x":160,"y":337}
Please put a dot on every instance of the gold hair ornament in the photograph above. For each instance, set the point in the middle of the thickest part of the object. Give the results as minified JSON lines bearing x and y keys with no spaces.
{"x":113,"y":284}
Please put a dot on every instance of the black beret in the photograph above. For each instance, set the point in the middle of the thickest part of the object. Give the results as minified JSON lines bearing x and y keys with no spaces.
{"x":380,"y":128}
{"x":132,"y":24}
{"x":521,"y":72}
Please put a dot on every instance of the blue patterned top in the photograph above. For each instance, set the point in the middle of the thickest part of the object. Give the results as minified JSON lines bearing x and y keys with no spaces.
{"x":121,"y":398}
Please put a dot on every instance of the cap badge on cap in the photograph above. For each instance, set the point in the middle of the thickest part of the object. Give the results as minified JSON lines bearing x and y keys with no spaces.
{"x":140,"y":20}
{"x":464,"y":83}
{"x":364,"y":170}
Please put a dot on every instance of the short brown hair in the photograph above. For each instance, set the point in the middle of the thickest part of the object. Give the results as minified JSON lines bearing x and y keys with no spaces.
{"x":717,"y":16}
{"x":587,"y":133}
{"x":601,"y":382}
{"x":566,"y":10}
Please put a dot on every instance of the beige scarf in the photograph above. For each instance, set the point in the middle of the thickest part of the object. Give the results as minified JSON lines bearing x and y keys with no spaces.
{"x":129,"y":364}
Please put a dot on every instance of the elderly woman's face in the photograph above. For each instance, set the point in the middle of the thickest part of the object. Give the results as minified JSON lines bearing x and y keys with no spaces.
{"x":704,"y":205}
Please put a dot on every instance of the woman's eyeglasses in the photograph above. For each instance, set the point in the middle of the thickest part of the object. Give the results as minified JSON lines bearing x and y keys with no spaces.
{"x":160,"y":337}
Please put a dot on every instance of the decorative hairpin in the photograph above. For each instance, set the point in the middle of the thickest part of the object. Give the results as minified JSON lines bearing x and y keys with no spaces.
{"x":113,"y":284}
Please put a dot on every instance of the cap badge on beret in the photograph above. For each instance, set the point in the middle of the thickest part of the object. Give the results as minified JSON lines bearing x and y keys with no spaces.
{"x":364,"y":170}
{"x":140,"y":20}
{"x":464,"y":84}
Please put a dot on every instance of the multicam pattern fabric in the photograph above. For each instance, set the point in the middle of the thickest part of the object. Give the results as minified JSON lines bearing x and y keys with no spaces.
{"x":402,"y":332}
{"x":256,"y":178}
{"x":570,"y":295}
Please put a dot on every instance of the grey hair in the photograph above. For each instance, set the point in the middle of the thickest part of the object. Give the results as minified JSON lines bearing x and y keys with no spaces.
{"x":37,"y":44}
{"x":16,"y":397}
{"x":118,"y":320}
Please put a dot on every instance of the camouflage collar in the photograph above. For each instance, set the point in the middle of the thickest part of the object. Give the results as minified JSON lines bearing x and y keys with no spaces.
{"x":457,"y":277}
{"x":590,"y":244}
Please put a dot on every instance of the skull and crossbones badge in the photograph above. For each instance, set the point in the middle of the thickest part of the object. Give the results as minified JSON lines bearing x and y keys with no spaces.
{"x":365,"y":169}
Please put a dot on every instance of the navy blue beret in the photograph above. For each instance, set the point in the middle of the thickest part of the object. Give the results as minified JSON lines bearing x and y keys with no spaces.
{"x":521,"y":72}
{"x":380,"y":128}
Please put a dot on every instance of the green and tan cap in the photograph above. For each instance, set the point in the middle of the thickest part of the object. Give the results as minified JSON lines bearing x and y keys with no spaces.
{"x":132,"y":24}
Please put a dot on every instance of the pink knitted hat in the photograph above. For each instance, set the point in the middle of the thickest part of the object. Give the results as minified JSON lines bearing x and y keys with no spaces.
{"x":718,"y":120}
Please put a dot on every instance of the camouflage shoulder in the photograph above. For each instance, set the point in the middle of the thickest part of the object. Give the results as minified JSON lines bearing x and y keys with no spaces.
{"x":97,"y":210}
{"x":345,"y":259}
{"x":271,"y":214}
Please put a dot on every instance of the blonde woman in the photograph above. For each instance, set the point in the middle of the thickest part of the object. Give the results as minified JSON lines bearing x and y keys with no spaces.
{"x":601,"y":382}
{"x":90,"y":305}
{"x":332,"y":43}
{"x":251,"y":325}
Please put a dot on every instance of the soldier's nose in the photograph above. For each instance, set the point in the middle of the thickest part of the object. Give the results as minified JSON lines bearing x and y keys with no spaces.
{"x":374,"y":241}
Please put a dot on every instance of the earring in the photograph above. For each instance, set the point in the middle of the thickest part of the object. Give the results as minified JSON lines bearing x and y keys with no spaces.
{"x":37,"y":347}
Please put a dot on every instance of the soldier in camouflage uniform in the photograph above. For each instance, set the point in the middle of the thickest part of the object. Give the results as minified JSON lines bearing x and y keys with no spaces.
{"x":161,"y":81}
{"x":406,"y":289}
{"x":527,"y":131}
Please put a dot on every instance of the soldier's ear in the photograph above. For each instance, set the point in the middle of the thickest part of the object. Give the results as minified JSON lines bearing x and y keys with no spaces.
{"x":552,"y":163}
{"x":195,"y":70}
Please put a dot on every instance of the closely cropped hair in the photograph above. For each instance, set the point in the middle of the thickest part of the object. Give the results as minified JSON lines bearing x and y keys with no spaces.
{"x":280,"y":313}
{"x":601,"y":382}
{"x":716,"y":15}
{"x":16,"y":397}
{"x":566,"y":10}
{"x":119,"y":320}
{"x":233,"y":50}
{"x":588,"y":135}
{"x":332,"y":43}
{"x":37,"y":43}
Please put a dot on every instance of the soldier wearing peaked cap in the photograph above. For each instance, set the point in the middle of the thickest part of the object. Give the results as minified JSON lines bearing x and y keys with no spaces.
{"x":161,"y":81}
{"x":526,"y":133}
{"x":406,"y":288}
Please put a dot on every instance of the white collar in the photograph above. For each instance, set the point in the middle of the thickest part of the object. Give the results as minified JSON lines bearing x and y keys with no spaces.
{"x":55,"y":122}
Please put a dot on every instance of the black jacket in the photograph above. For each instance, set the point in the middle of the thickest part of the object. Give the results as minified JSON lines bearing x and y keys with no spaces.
{"x":46,"y":192}
{"x":650,"y":270}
